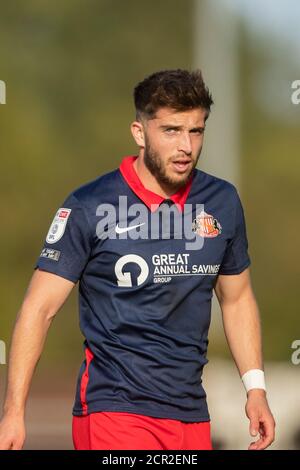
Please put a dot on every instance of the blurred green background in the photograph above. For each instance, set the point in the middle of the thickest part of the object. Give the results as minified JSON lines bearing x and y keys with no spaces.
{"x":69,"y":69}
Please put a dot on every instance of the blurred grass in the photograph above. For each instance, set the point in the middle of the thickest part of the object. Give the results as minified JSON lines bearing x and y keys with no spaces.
{"x":271,"y":181}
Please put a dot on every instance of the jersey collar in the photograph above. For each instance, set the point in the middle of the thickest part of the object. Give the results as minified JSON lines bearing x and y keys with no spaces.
{"x":151,"y":199}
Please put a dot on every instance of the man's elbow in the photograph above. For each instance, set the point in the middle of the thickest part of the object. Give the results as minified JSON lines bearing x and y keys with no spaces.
{"x":38,"y":311}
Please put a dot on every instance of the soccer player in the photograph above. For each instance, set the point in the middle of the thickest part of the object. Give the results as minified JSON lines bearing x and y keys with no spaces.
{"x":148,"y":243}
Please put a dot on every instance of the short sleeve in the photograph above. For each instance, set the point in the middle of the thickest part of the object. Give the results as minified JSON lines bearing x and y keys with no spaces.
{"x":236,"y":258}
{"x":67,"y":247}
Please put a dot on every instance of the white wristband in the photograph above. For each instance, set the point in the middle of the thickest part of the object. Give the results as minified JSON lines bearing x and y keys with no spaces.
{"x":254,"y":378}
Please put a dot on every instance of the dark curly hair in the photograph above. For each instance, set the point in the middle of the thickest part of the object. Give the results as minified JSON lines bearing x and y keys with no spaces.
{"x":177,"y":89}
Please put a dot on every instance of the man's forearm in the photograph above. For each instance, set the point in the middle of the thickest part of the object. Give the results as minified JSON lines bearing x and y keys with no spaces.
{"x":241,"y":321}
{"x":243,"y":331}
{"x":27,"y":344}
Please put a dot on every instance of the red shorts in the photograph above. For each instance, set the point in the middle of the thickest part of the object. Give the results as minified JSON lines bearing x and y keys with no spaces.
{"x":123,"y":431}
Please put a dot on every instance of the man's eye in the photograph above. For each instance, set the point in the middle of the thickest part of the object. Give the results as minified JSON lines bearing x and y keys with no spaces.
{"x":171,"y":130}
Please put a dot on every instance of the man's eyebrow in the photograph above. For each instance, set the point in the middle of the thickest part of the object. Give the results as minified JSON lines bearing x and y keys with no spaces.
{"x":170,"y":126}
{"x":200,"y":128}
{"x":173,"y":126}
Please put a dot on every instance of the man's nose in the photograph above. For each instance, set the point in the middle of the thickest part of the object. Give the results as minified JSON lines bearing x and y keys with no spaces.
{"x":185,"y":144}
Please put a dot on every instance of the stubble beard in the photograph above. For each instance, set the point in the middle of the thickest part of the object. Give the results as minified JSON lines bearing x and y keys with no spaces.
{"x":159,"y":169}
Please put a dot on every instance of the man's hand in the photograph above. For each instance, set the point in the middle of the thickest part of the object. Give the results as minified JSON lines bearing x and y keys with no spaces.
{"x":261,"y":419}
{"x":12,"y":432}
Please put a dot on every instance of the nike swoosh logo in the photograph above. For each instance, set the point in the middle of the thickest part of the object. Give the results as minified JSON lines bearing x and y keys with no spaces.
{"x":126,"y":229}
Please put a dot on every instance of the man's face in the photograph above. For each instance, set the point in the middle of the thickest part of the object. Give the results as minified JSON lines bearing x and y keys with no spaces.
{"x":173,"y":143}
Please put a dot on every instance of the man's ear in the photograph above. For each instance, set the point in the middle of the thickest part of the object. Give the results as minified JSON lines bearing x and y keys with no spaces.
{"x":137,"y":131}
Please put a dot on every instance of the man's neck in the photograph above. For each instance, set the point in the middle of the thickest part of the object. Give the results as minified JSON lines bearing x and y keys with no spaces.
{"x":149,"y":180}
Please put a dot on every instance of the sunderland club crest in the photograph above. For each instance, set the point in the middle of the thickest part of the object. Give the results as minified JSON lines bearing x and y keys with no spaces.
{"x":206,"y":225}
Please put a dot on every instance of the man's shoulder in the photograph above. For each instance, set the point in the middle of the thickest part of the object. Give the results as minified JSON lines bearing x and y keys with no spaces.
{"x":95,"y":189}
{"x":207,"y":180}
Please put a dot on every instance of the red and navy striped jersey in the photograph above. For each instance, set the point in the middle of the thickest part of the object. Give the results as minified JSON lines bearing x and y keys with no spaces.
{"x":145,"y":287}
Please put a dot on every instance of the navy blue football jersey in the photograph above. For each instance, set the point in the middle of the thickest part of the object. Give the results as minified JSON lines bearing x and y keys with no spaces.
{"x":145,"y":287}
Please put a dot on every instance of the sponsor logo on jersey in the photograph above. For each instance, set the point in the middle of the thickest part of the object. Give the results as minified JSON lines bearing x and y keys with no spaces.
{"x":124,"y":277}
{"x":206,"y":225}
{"x":165,"y":268}
{"x":58,"y":226}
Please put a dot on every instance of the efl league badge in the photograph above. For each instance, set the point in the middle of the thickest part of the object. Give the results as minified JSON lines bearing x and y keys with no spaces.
{"x":206,"y":225}
{"x":58,"y":225}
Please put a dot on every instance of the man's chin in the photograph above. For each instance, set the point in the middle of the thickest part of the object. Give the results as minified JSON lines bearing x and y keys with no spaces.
{"x":177,"y":181}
